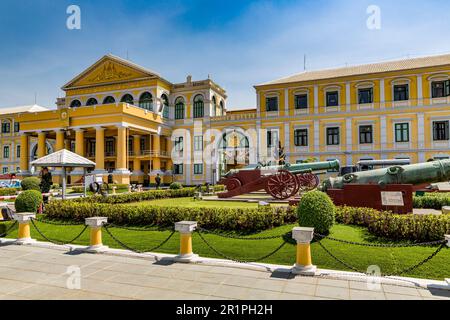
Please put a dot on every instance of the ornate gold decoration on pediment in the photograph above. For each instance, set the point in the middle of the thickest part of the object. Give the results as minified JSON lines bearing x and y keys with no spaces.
{"x":110,"y":73}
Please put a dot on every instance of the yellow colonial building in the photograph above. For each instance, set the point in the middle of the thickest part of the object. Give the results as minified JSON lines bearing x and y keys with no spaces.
{"x":134,"y":124}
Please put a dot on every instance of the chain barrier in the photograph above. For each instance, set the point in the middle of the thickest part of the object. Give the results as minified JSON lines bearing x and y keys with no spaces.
{"x":54,"y":241}
{"x":423,"y":244}
{"x":407,"y":270}
{"x":11,"y":227}
{"x":242,"y":238}
{"x":112,"y":225}
{"x":107,"y":226}
{"x":239,"y":260}
{"x":58,"y":223}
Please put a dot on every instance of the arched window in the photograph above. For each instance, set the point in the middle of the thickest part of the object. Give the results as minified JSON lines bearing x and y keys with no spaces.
{"x":92,"y":102}
{"x":146,"y":101}
{"x":214,"y":102}
{"x":179,"y":109}
{"x":75,"y":104}
{"x":222,"y":108}
{"x":109,"y":100}
{"x":165,"y":102}
{"x":128,"y":98}
{"x":199,"y":107}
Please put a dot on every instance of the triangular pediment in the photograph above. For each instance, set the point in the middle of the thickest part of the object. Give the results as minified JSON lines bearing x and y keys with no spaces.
{"x":110,"y":69}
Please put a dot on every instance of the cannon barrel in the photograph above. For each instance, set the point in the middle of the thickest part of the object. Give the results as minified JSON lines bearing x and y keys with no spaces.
{"x":416,"y":174}
{"x":294,"y":168}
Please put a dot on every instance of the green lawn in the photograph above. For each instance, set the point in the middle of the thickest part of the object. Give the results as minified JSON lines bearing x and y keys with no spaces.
{"x":191,"y":203}
{"x":390,"y":260}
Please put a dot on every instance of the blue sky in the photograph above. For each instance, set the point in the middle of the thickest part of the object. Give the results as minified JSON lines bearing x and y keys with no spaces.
{"x":239,"y":43}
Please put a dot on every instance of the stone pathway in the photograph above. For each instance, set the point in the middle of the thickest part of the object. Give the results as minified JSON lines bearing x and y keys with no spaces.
{"x":41,"y":273}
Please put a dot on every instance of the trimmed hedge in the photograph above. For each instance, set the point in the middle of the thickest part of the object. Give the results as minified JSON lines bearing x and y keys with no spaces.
{"x":28,"y":201}
{"x":143,"y":196}
{"x":432,"y":201}
{"x":31,"y":183}
{"x":316,"y":210}
{"x":8,"y":192}
{"x":419,"y":228}
{"x":175,"y":186}
{"x":228,"y":219}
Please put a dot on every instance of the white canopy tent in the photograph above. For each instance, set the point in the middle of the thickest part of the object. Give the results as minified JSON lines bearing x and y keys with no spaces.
{"x":65,"y":159}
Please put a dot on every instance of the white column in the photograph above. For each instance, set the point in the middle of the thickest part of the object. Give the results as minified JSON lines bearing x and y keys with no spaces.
{"x":258,"y":104}
{"x":349,"y":136}
{"x":382,"y":95}
{"x":316,"y":99}
{"x":421,"y":135}
{"x":348,"y":95}
{"x":286,"y":101}
{"x":258,"y":141}
{"x":383,"y":134}
{"x":316,"y":136}
{"x":419,"y":91}
{"x":287,"y":140}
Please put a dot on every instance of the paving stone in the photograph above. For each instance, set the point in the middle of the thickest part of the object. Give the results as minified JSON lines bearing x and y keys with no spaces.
{"x":307,"y":280}
{"x":395,"y":296}
{"x":255,"y":294}
{"x":333,"y":283}
{"x":201,"y":288}
{"x":11,"y":286}
{"x":225,"y":291}
{"x":401,"y":290}
{"x":42,"y":292}
{"x":40,"y":273}
{"x":366,"y":295}
{"x":291,"y":296}
{"x":300,"y":288}
{"x":332,"y":292}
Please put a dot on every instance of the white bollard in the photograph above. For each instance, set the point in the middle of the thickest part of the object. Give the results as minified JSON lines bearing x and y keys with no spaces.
{"x":304,"y":265}
{"x":24,"y":236}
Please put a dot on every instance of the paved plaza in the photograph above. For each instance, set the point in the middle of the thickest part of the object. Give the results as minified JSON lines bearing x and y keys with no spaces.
{"x":28,"y":272}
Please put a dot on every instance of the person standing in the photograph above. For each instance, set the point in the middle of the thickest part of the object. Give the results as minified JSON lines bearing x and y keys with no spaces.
{"x":46,"y":182}
{"x":158,"y":181}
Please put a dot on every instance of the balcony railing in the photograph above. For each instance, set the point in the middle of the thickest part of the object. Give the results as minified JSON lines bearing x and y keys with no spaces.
{"x":235,"y":117}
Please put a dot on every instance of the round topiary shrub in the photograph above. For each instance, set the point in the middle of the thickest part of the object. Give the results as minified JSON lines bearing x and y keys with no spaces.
{"x":28,"y":201}
{"x":31,"y":183}
{"x":176,"y":186}
{"x":316,"y":210}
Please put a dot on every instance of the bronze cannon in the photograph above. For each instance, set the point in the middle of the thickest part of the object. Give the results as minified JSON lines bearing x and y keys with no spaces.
{"x":415,"y":174}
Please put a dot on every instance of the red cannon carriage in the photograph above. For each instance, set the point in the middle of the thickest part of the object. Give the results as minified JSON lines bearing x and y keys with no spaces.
{"x":281,"y":182}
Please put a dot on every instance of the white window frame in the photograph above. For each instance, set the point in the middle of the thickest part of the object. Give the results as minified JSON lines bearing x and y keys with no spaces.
{"x":365,"y":85}
{"x":399,"y":82}
{"x":332,"y":88}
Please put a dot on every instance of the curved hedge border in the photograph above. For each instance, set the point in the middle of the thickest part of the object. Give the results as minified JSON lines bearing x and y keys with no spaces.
{"x":432,"y":201}
{"x":396,"y":227}
{"x":229,"y":219}
{"x":143,"y":196}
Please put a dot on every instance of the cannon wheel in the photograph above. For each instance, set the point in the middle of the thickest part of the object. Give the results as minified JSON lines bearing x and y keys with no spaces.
{"x":232,"y":184}
{"x":308,"y":182}
{"x":282,"y":185}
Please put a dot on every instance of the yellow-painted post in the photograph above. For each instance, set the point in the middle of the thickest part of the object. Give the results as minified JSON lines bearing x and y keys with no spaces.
{"x":60,"y":137}
{"x":185,"y":228}
{"x":96,"y":243}
{"x":138,"y":174}
{"x":303,"y":265}
{"x":24,"y":235}
{"x":24,"y":155}
{"x":122,"y":174}
{"x":42,"y":146}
